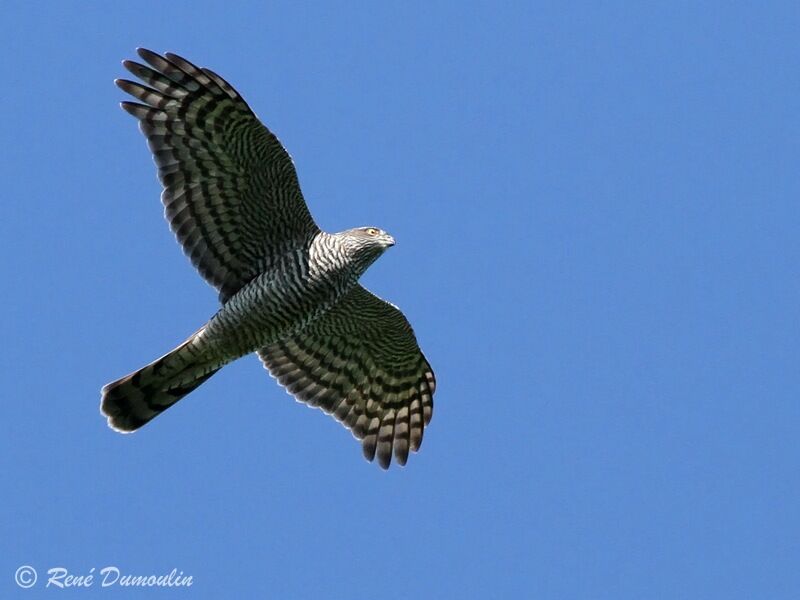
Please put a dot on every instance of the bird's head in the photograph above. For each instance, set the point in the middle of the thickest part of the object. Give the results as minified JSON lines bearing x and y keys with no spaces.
{"x":365,"y":244}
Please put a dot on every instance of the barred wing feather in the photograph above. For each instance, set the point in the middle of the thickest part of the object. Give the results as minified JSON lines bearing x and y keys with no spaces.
{"x":360,"y":362}
{"x":231,"y":193}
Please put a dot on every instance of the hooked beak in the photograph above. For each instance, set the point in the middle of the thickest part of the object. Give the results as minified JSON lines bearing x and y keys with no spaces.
{"x":389,"y":242}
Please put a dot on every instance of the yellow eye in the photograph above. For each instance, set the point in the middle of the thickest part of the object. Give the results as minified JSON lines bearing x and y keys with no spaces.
{"x":372,"y":231}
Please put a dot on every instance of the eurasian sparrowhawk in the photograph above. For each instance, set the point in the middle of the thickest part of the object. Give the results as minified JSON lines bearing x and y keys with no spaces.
{"x":289,"y":291}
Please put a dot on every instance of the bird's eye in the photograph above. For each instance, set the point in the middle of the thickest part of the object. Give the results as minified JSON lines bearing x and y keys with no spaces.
{"x":372,"y":231}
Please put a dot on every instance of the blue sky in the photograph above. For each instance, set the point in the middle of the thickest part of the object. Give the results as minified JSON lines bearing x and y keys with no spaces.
{"x":596,"y":208}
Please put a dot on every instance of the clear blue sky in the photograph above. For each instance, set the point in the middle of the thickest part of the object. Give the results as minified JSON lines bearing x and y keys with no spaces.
{"x":596,"y":208}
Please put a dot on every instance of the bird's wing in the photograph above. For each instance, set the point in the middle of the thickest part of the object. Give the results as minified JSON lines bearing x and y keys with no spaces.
{"x":231,"y":194}
{"x":360,"y":362}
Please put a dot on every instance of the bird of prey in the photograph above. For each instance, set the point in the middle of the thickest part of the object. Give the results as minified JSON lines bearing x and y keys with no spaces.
{"x":289,"y":291}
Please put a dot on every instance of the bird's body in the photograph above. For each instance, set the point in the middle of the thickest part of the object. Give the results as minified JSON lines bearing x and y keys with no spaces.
{"x":297,"y":288}
{"x":289,"y":290}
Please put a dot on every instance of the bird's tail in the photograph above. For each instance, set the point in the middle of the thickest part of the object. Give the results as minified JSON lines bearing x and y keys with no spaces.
{"x":137,"y":398}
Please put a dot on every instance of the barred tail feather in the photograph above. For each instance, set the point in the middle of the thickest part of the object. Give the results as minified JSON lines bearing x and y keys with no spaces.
{"x":134,"y":400}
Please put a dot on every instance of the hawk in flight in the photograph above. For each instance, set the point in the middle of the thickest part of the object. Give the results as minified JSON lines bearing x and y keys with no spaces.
{"x":289,"y":291}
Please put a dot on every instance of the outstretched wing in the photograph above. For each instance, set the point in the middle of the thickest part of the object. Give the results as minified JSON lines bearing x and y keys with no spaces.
{"x":361,"y":363}
{"x":231,"y":194}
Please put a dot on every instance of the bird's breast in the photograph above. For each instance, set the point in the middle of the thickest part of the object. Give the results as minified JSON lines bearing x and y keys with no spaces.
{"x":272,"y":306}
